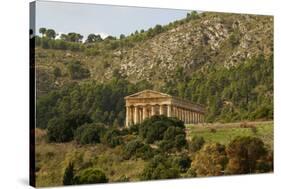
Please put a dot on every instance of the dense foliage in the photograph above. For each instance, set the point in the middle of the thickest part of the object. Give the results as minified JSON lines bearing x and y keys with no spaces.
{"x":242,"y":92}
{"x":102,"y":103}
{"x":210,"y":160}
{"x":160,"y":167}
{"x":90,"y":176}
{"x":247,"y":155}
{"x":89,"y":133}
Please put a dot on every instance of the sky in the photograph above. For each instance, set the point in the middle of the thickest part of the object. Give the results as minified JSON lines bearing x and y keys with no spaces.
{"x":101,"y":19}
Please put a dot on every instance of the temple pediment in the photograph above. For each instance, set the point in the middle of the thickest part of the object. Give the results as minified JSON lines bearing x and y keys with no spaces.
{"x":147,"y":94}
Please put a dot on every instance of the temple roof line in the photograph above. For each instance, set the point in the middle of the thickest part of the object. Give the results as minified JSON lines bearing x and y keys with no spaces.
{"x":155,"y":94}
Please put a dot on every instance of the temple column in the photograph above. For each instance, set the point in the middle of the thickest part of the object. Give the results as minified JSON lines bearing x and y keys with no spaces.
{"x":136,"y":115}
{"x":185,"y":116}
{"x":144,"y":112}
{"x":140,"y":115}
{"x":169,"y":110}
{"x":161,"y":112}
{"x":193,"y":117}
{"x":181,"y":116}
{"x":127,"y":116}
{"x":188,"y":116}
{"x":153,"y":110}
{"x":131,"y":116}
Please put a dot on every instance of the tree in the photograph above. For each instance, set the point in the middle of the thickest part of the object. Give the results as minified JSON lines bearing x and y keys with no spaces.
{"x":160,"y":167}
{"x":42,"y":31}
{"x":93,"y":38}
{"x":62,"y":128}
{"x":131,"y":148}
{"x":193,"y":15}
{"x":68,"y":177}
{"x":210,"y":160}
{"x":89,"y":133}
{"x":74,"y":37}
{"x":154,"y":128}
{"x":112,"y":137}
{"x":90,"y":176}
{"x":244,"y":153}
{"x":122,"y":36}
{"x":50,"y":33}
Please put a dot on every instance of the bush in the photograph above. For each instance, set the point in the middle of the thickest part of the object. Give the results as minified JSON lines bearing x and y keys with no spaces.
{"x":180,"y":141}
{"x":234,"y":39}
{"x":89,"y":133}
{"x":131,"y":148}
{"x":90,"y":176}
{"x":154,"y":129}
{"x":59,"y":131}
{"x":112,"y":137}
{"x":210,"y":160}
{"x":76,"y":70}
{"x":244,"y":153}
{"x":62,"y":129}
{"x":182,"y":162}
{"x":196,"y":143}
{"x":160,"y":167}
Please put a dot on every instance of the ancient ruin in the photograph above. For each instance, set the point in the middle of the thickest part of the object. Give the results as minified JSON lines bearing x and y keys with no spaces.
{"x":147,"y":103}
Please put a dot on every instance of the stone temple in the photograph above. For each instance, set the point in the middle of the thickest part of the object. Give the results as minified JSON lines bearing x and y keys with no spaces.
{"x":147,"y":103}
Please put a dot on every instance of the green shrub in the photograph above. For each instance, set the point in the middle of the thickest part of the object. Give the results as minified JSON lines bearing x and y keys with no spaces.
{"x":160,"y":167}
{"x":154,"y":129}
{"x":62,"y":129}
{"x":183,"y":163}
{"x":76,"y":70}
{"x":112,"y":137}
{"x":89,"y":133}
{"x":196,"y":143}
{"x":131,"y":148}
{"x":90,"y":176}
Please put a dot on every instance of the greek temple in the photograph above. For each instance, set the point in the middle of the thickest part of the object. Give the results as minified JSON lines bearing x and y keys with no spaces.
{"x":147,"y":103}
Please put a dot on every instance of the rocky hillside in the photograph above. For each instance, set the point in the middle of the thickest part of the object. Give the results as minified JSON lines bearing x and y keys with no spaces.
{"x":221,"y":39}
{"x":210,"y":39}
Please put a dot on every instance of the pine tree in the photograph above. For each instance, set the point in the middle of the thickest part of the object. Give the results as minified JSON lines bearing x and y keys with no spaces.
{"x":68,"y":174}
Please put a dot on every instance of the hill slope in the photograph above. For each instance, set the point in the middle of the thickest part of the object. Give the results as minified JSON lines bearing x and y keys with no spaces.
{"x":191,"y":44}
{"x":224,"y":61}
